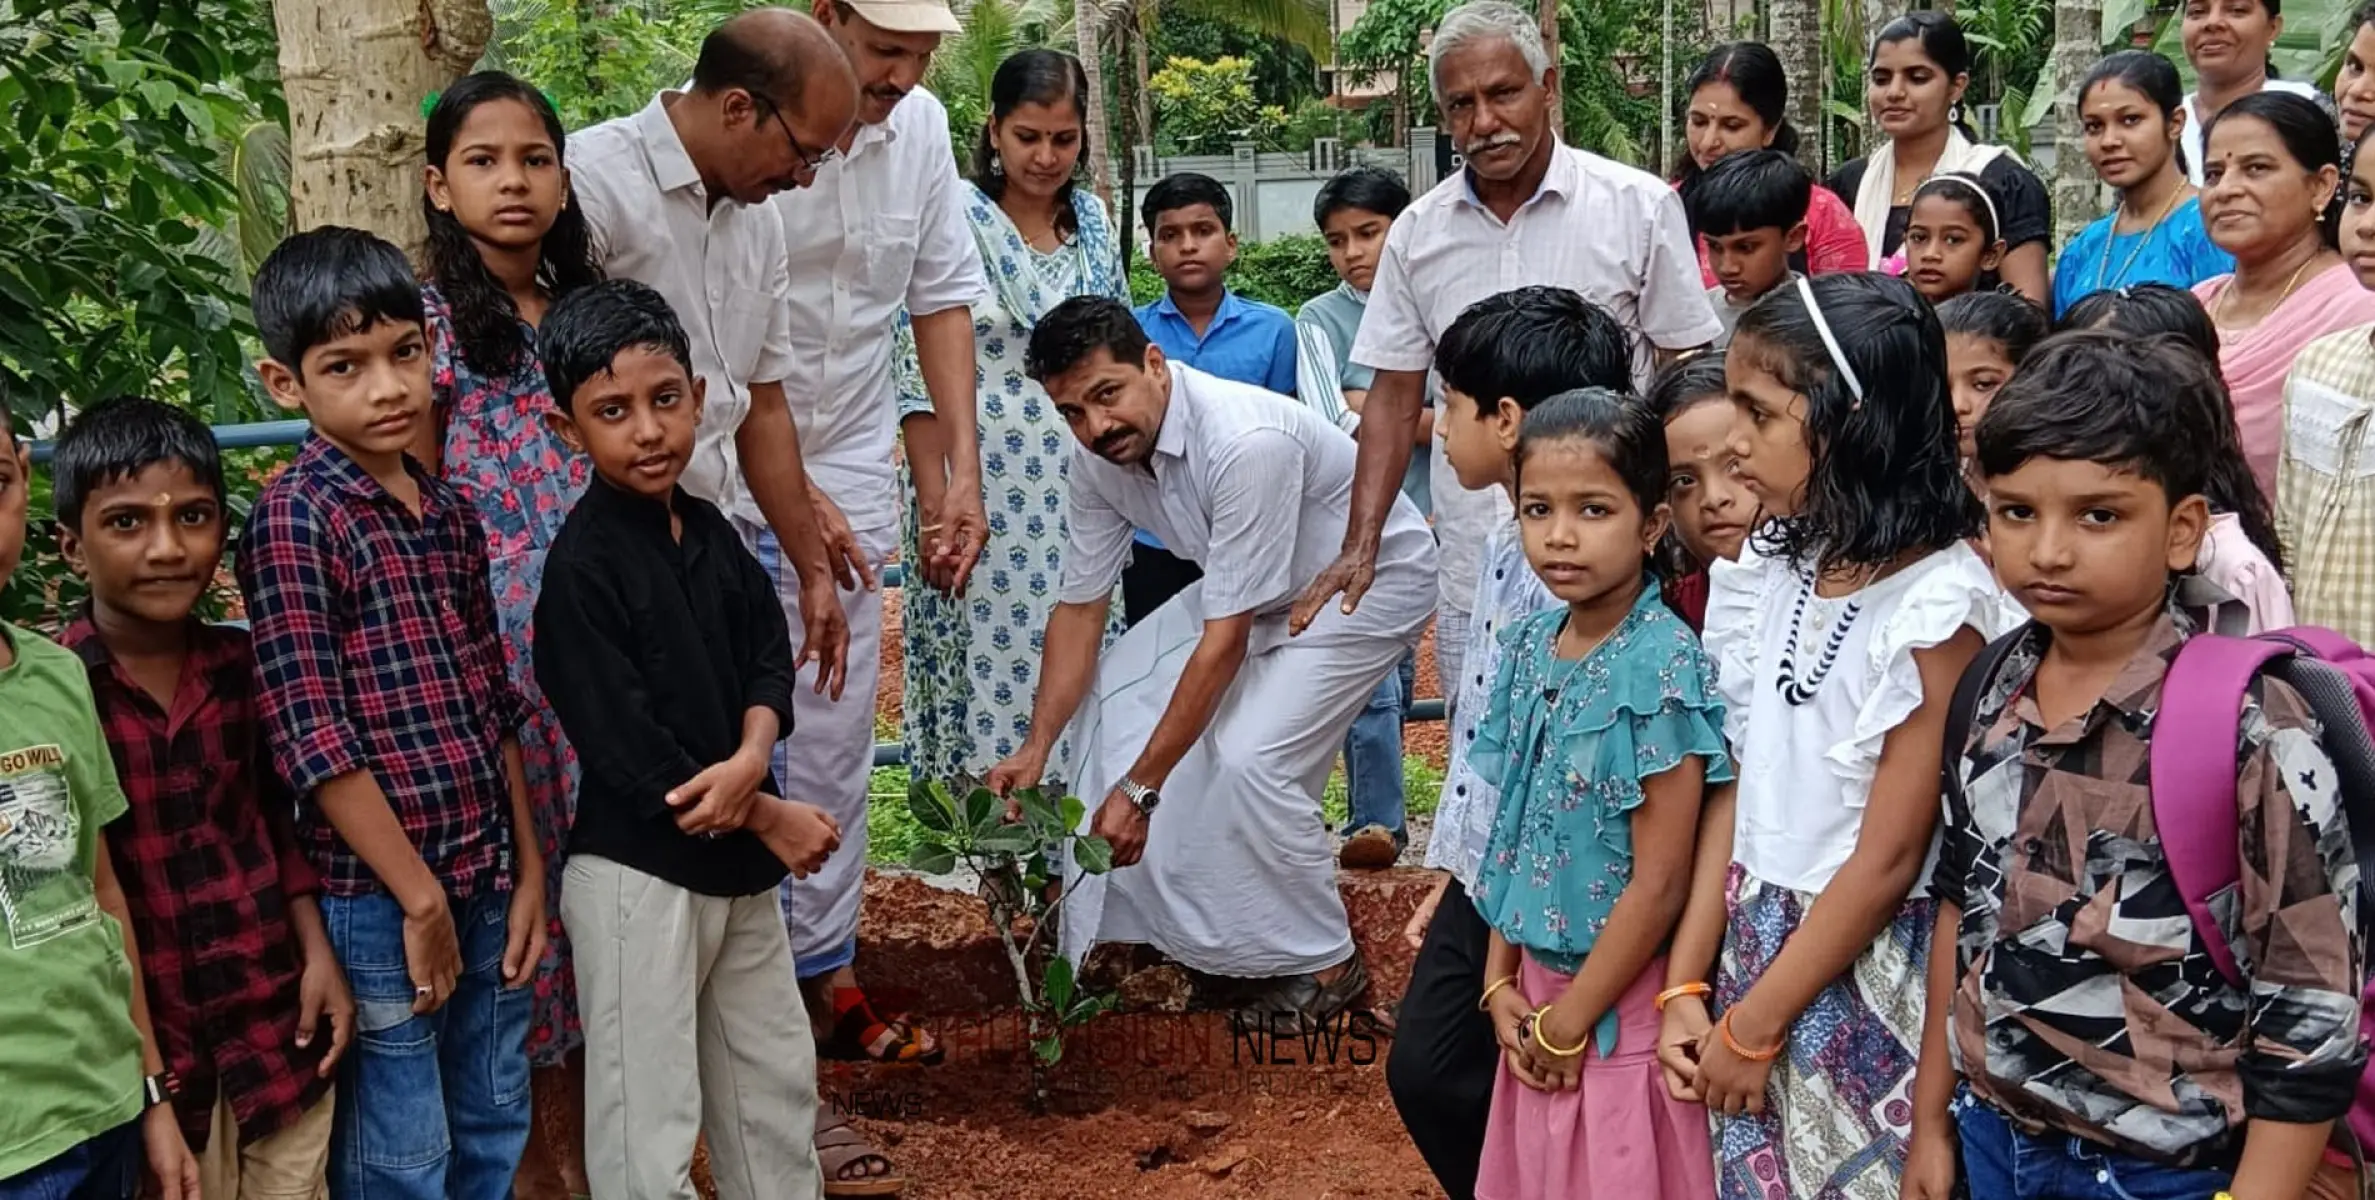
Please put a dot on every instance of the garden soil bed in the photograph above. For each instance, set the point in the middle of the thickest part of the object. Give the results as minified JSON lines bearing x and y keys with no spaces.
{"x":1151,"y":1105}
{"x":1145,"y":1105}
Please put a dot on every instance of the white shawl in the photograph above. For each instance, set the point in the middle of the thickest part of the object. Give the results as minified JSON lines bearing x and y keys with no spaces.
{"x":1880,"y":182}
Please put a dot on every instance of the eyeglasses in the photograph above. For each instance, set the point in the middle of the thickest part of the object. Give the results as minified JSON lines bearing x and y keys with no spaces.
{"x":810,"y":161}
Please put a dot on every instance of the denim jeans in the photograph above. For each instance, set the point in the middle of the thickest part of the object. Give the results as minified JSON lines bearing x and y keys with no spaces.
{"x":430,"y":1107}
{"x":1373,"y":754}
{"x":2002,"y":1162}
{"x":106,"y":1167}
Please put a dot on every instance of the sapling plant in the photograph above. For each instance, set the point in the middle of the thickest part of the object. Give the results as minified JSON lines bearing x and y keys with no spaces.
{"x":1018,"y":848}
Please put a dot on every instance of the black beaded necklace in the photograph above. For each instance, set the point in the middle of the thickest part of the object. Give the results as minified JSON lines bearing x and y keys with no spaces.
{"x":1798,"y":691}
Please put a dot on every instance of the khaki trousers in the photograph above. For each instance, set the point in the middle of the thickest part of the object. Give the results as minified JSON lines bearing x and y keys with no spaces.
{"x":692,"y":1024}
{"x":287,"y":1165}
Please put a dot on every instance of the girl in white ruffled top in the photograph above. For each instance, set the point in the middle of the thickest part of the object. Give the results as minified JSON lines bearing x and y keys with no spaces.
{"x":1838,"y":638}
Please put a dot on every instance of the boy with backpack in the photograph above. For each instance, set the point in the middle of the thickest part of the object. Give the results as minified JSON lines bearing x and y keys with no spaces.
{"x":2086,"y":1034}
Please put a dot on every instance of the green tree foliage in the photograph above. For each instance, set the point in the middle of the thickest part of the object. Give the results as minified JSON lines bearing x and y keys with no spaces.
{"x":598,"y":59}
{"x":1602,"y":113}
{"x":117,"y":201}
{"x":1284,"y":73}
{"x":1204,"y":107}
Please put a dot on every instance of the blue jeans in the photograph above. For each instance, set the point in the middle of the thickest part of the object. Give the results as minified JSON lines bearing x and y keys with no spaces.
{"x":1373,"y":754}
{"x":429,"y":1107}
{"x":106,"y":1167}
{"x":2002,"y":1162}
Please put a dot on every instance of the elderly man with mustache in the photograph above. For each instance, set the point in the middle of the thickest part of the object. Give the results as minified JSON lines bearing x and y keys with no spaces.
{"x":1524,"y":210}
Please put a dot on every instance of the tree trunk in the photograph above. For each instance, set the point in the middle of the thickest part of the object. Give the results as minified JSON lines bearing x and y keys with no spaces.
{"x":1547,"y":12}
{"x":1794,"y":30}
{"x":1139,"y":109}
{"x":355,"y":73}
{"x":2077,"y":41}
{"x":1088,"y":28}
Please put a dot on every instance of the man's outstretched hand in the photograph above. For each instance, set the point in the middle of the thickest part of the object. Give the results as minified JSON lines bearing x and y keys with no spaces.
{"x":1349,"y":576}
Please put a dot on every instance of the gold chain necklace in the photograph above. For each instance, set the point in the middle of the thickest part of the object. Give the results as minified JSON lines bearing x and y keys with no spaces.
{"x":2226,"y":294}
{"x":2113,"y":235}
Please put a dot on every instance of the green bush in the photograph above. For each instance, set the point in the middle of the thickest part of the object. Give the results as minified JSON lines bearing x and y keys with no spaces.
{"x":1283,"y":271}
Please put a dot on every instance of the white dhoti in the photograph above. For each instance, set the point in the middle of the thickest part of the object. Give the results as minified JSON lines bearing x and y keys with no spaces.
{"x":1238,"y":877}
{"x":827,"y":758}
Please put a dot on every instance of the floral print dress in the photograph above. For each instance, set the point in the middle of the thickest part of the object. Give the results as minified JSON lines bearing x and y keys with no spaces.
{"x":523,"y":482}
{"x":972,"y":661}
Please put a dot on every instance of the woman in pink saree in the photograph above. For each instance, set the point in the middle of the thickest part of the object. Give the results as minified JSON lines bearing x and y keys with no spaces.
{"x":2270,"y":181}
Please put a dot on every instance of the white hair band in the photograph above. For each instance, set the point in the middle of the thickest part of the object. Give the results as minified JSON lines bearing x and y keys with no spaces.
{"x":1978,"y":185}
{"x":1847,"y":375}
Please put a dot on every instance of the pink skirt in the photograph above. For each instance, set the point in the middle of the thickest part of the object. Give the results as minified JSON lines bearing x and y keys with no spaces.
{"x":1618,"y":1136}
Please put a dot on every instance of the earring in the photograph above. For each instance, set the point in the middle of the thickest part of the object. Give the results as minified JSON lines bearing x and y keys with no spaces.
{"x":997,"y":163}
{"x":1954,"y":113}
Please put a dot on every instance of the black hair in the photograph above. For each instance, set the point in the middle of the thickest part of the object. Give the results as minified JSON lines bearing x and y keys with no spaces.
{"x":325,"y":283}
{"x":1745,"y":190}
{"x":1969,"y":191}
{"x":1755,"y":75}
{"x":2156,"y":310}
{"x":1186,"y":190}
{"x":1078,"y":327}
{"x":2102,"y":397}
{"x":1684,"y":384}
{"x":1626,"y":433}
{"x":749,"y":53}
{"x":1941,"y":40}
{"x":1531,"y":343}
{"x":486,"y":321}
{"x":1035,"y":77}
{"x":1883,"y":472}
{"x":2009,"y":321}
{"x":587,"y":330}
{"x":2149,"y":75}
{"x":1679,"y":387}
{"x":2308,"y":134}
{"x":1368,"y":189}
{"x":121,"y":437}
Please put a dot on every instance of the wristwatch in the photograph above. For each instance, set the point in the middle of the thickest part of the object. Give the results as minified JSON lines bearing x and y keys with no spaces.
{"x":158,"y":1088}
{"x":1142,"y":797}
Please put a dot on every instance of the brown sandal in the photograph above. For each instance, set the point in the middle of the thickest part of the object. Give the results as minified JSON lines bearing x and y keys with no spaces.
{"x":839,"y":1148}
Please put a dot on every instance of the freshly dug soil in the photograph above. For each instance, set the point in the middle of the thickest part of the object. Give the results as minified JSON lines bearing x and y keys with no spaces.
{"x":1150,"y":1106}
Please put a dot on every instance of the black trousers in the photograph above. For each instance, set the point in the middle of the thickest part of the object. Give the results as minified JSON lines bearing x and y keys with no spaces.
{"x":1152,"y":578}
{"x":1444,"y":1057}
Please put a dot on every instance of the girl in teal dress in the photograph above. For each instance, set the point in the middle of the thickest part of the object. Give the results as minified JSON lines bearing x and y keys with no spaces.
{"x":1602,"y":731}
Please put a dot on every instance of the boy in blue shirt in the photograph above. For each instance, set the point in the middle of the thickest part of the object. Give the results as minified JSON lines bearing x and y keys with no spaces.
{"x":1201,"y":323}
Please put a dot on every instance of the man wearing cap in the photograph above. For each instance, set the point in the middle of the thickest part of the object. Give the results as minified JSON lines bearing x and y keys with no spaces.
{"x":881,"y":228}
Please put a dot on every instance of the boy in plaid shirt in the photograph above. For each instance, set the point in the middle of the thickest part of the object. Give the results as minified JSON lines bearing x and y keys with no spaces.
{"x":250,"y":1008}
{"x":383,"y":692}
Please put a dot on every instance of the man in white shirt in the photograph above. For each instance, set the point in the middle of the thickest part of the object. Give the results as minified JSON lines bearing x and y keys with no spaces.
{"x":1525,"y":210}
{"x":674,"y":198}
{"x":880,"y":228}
{"x":1208,"y":699}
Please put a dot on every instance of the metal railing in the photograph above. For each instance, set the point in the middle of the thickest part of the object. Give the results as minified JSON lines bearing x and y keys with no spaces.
{"x":263,"y":434}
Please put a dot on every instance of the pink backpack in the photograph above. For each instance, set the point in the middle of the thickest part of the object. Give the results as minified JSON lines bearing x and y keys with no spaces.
{"x":2195,"y":737}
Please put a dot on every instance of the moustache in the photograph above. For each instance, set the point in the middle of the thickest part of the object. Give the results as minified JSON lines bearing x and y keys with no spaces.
{"x":1494,"y":142}
{"x":1111,"y":443}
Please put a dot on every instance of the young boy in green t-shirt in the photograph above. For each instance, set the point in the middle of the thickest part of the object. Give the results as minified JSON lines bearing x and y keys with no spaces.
{"x":86,"y":1085}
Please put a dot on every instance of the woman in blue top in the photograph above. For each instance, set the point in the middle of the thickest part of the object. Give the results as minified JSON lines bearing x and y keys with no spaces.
{"x":2133,"y":110}
{"x":1602,"y":731}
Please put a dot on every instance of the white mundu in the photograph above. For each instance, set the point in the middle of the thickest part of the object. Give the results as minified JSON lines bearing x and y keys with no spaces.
{"x":1238,"y":877}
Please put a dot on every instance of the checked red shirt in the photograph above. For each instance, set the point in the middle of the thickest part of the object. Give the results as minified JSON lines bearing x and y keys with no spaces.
{"x":376,"y":651}
{"x":208,"y":868}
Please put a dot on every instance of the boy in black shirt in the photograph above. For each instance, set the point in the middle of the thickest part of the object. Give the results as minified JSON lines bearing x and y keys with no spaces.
{"x":663,"y":650}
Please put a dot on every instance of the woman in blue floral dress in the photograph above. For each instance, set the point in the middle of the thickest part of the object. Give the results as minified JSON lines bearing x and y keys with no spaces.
{"x":972,"y":661}
{"x":503,"y":244}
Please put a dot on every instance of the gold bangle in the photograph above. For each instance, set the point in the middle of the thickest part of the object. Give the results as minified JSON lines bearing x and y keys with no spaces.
{"x":1495,"y":986}
{"x":1724,"y":1028}
{"x":1544,"y":1042}
{"x":1678,"y":992}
